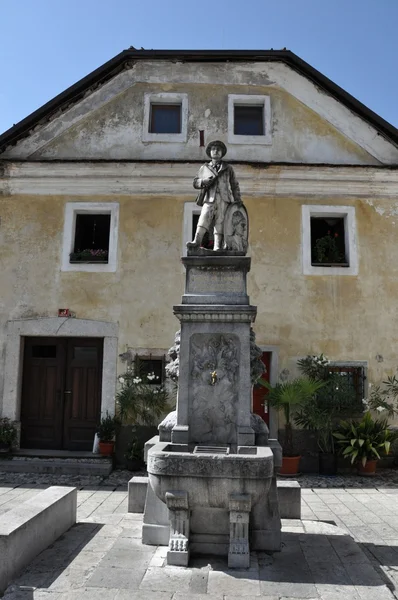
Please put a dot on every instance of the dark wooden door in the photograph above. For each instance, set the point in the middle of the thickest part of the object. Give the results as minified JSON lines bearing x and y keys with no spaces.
{"x":260,"y":403}
{"x":61,"y":393}
{"x":82,"y":393}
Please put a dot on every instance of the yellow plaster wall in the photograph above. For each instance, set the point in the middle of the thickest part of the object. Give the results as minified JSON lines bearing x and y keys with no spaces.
{"x":345,"y":317}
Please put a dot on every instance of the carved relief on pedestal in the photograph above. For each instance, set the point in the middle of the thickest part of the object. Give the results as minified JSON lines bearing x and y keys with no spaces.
{"x":239,"y":516}
{"x":214,"y":375}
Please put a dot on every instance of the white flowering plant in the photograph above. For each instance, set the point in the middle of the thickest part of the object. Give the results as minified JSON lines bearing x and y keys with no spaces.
{"x":141,"y":397}
{"x":383,"y":398}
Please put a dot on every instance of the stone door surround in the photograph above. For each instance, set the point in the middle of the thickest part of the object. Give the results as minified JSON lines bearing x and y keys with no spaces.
{"x":57,"y":327}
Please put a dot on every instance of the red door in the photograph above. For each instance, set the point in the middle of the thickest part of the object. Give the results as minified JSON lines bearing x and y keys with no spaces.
{"x":260,"y":403}
{"x":61,"y":393}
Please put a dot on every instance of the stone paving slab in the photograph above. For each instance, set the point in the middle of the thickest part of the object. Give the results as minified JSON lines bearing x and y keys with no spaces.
{"x":349,"y":556}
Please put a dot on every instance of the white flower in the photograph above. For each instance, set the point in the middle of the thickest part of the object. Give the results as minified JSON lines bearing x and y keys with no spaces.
{"x":370,"y":384}
{"x":380,"y":408}
{"x":151,"y":377}
{"x":121,"y":380}
{"x":337,"y":387}
{"x":137,"y":380}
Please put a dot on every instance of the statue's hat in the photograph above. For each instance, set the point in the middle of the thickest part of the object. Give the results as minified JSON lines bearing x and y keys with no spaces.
{"x":216,"y":143}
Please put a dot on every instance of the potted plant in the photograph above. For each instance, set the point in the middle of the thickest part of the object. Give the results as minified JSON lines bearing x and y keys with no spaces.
{"x":141,"y":399}
{"x":327,"y":252}
{"x":288,"y":397}
{"x":106,"y":434}
{"x":8,"y":434}
{"x":363,"y":441}
{"x":134,"y":456}
{"x":335,"y":398}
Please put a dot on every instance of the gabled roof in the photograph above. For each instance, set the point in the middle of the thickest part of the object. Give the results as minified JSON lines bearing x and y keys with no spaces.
{"x":111,"y":68}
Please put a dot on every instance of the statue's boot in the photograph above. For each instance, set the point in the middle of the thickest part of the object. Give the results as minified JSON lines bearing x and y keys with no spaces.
{"x":218,"y":238}
{"x":200,"y":232}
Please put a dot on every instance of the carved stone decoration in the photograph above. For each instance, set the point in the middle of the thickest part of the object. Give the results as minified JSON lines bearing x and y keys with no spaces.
{"x":177,"y":503}
{"x":214,"y":368}
{"x":236,"y":228}
{"x":173,"y":367}
{"x":239,"y":516}
{"x":257,"y":367}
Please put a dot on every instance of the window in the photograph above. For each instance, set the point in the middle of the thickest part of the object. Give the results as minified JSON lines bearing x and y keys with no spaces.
{"x":91,"y":242}
{"x":165,"y":117}
{"x":151,"y":366}
{"x":90,"y":236}
{"x":355,"y":377}
{"x":249,"y":119}
{"x":329,"y":240}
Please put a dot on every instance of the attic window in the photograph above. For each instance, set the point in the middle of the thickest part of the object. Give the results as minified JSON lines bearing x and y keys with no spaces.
{"x":165,"y":117}
{"x":249,"y":119}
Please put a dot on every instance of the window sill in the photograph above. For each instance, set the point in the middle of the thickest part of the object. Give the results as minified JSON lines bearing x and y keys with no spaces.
{"x":88,"y":262}
{"x":326,"y":264}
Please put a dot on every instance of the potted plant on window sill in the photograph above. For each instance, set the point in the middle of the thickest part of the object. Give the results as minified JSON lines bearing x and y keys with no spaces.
{"x":89,"y":256}
{"x":327,"y":253}
{"x":288,"y":397}
{"x":364,"y":441}
{"x":106,"y":434}
{"x":8,"y":435}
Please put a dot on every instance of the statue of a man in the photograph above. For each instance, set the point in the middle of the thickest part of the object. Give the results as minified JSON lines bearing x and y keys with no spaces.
{"x":219,"y":188}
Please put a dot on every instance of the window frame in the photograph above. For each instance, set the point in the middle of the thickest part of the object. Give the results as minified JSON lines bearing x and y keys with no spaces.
{"x":71,"y":210}
{"x":253,"y":100}
{"x":350,"y":238}
{"x":165,"y":98}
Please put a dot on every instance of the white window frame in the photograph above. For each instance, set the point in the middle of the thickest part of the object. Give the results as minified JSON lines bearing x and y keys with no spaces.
{"x":345,"y":212}
{"x":165,"y":98}
{"x":190,"y":209}
{"x":81,"y":208}
{"x":253,"y":100}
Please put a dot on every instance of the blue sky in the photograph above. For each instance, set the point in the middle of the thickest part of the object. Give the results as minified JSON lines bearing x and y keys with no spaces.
{"x":47,"y":45}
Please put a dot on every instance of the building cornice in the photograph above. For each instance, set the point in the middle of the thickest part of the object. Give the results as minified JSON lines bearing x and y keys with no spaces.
{"x":175,"y":179}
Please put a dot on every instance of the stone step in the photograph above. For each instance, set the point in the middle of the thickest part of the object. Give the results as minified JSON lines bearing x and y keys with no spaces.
{"x":57,"y":465}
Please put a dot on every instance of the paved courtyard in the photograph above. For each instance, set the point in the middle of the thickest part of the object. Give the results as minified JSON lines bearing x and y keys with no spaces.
{"x":346,"y":546}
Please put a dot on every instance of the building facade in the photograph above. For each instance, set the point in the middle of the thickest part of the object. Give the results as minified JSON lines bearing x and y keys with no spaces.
{"x":97,"y":204}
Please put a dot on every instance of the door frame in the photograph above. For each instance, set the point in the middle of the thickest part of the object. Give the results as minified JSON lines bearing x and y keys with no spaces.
{"x":63,"y":327}
{"x":273,"y":378}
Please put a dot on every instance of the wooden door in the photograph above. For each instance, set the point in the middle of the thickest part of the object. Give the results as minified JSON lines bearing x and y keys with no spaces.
{"x":260,"y":404}
{"x":61,"y":393}
{"x":42,"y":393}
{"x":82,"y":393}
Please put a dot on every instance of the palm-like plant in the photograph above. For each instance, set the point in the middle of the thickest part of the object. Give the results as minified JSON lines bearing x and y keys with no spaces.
{"x":288,"y":397}
{"x":140,"y":399}
{"x":364,"y":440}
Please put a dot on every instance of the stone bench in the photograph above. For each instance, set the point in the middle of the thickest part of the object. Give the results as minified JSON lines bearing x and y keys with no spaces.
{"x":28,"y":529}
{"x":289,"y":496}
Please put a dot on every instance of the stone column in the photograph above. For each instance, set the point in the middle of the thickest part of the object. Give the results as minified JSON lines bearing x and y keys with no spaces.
{"x":239,"y":515}
{"x":178,"y":553}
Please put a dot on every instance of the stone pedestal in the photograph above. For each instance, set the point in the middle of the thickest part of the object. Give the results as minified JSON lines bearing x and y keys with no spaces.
{"x":219,"y":487}
{"x":214,"y":392}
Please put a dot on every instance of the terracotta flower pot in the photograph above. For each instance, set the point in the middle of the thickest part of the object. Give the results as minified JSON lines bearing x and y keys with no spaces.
{"x":368,"y":470}
{"x":290,"y":465}
{"x":106,"y":448}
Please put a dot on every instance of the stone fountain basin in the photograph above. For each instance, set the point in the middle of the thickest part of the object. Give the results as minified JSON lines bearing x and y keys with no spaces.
{"x":210,"y":478}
